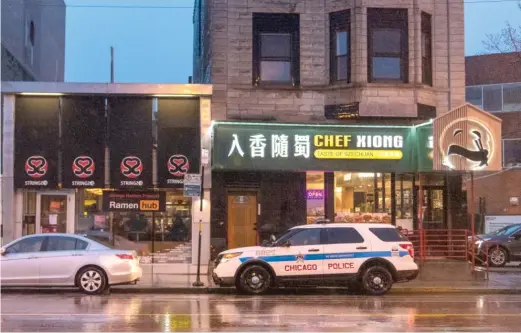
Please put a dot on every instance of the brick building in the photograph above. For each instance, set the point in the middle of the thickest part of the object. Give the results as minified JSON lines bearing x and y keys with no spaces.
{"x":327,"y":62}
{"x":33,"y":40}
{"x":494,"y":84}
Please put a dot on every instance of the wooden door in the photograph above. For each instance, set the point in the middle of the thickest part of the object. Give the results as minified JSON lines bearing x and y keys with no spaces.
{"x":242,"y":219}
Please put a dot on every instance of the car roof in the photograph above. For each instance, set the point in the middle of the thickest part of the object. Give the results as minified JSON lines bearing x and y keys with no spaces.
{"x":344,"y":225}
{"x":54,"y":234}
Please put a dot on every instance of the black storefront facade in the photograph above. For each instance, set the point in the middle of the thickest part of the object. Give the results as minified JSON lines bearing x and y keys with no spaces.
{"x":268,"y":177}
{"x":72,"y":147}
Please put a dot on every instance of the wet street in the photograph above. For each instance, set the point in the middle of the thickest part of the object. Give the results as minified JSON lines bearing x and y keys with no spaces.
{"x":169,"y":313}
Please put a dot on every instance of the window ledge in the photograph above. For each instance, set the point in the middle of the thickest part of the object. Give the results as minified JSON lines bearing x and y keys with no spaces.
{"x":275,"y":86}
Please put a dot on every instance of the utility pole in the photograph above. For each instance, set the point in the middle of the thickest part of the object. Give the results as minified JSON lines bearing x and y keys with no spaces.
{"x":111,"y":64}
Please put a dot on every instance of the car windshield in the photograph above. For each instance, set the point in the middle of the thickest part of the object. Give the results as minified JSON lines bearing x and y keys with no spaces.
{"x":284,"y":237}
{"x":505,"y":231}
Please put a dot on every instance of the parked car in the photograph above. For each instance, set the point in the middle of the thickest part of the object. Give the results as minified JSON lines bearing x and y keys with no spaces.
{"x":368,"y":256}
{"x":503,"y":246}
{"x":46,"y":260}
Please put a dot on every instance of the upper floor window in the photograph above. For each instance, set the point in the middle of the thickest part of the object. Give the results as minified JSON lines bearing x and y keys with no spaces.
{"x":495,"y":97}
{"x":276,"y":58}
{"x":426,"y":48}
{"x":340,"y":60}
{"x":511,"y":153}
{"x":388,"y":48}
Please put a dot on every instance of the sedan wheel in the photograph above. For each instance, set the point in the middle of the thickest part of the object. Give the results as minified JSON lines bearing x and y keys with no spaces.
{"x":497,"y":257}
{"x":92,"y":280}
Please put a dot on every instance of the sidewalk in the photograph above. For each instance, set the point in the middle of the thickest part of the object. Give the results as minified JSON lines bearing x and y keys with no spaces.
{"x":498,"y":283}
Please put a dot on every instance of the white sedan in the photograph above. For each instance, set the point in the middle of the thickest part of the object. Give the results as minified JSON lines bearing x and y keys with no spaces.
{"x":47,"y":260}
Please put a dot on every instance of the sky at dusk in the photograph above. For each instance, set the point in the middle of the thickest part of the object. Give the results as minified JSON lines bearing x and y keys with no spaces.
{"x":153,"y":38}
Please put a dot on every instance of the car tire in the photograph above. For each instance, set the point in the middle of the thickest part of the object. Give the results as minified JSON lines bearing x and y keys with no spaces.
{"x":254,"y":280}
{"x":92,"y":280}
{"x":497,"y":257}
{"x":376,"y":280}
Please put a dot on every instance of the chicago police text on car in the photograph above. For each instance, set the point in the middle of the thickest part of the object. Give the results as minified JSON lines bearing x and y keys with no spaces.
{"x":366,"y":255}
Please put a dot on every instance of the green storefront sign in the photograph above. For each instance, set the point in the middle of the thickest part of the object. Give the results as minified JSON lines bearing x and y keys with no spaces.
{"x":306,"y":147}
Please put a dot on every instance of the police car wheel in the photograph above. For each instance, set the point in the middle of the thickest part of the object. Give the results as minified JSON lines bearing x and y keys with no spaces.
{"x":255,"y":280}
{"x":377,"y":280}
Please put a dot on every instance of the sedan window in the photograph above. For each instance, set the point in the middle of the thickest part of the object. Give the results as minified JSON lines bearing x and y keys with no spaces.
{"x":31,"y":244}
{"x":60,"y":243}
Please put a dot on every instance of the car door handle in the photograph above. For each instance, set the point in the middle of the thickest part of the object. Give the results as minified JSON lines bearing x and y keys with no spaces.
{"x":362,"y":248}
{"x":77,"y":254}
{"x":313,"y":250}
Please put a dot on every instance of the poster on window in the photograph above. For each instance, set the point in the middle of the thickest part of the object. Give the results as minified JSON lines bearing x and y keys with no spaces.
{"x":179,"y":142}
{"x":36,"y":142}
{"x":83,"y":141}
{"x":130,"y":142}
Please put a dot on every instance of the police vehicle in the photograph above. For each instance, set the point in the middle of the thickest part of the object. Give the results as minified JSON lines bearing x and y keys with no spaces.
{"x":369,"y":257}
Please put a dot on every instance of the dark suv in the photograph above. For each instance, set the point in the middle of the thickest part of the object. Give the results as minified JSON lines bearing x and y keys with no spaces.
{"x":503,"y":245}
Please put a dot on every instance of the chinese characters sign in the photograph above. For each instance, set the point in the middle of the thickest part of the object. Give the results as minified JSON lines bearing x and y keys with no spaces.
{"x":272,"y":146}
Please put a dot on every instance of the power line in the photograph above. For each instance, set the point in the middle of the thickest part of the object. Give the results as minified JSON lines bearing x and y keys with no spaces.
{"x":467,"y":2}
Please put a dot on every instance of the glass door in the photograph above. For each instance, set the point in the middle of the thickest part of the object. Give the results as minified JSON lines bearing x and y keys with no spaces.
{"x":54,"y":212}
{"x":434,"y":207}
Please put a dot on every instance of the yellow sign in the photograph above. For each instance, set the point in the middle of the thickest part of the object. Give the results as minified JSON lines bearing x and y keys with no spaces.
{"x":350,"y":154}
{"x":149,"y":205}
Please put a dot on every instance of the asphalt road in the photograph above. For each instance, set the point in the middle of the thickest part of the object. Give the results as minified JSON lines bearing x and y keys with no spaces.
{"x":168,"y":313}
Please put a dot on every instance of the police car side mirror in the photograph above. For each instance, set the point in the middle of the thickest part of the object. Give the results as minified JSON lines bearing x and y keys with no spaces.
{"x":273,"y":238}
{"x":287,"y":243}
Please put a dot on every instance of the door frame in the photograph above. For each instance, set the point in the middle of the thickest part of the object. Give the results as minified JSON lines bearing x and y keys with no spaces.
{"x":429,"y":188}
{"x":71,"y":207}
{"x":248,"y":191}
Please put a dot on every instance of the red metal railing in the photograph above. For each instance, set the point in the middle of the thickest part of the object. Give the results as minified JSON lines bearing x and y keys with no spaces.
{"x":439,"y":243}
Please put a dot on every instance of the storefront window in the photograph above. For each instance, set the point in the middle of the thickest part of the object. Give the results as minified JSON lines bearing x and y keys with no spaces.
{"x":159,"y":237}
{"x":90,"y":217}
{"x":404,"y":201}
{"x":314,"y":195}
{"x":355,"y":197}
{"x":29,"y":213}
{"x":53,"y":213}
{"x":167,"y":240}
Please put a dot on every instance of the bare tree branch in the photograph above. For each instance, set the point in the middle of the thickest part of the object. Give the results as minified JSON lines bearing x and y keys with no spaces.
{"x":507,"y":40}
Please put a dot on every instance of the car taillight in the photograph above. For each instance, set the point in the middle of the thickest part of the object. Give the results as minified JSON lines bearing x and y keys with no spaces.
{"x":409,"y":248}
{"x":125,"y":256}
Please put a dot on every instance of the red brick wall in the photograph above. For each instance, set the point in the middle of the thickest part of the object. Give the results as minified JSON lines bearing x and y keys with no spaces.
{"x":511,"y":125}
{"x":497,"y":190}
{"x":493,"y":68}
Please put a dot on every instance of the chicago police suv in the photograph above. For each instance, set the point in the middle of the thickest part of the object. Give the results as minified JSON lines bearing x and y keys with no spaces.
{"x":364,"y":256}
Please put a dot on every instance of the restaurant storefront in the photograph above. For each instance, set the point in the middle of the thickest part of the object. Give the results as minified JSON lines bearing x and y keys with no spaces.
{"x":72,"y":149}
{"x":268,"y":177}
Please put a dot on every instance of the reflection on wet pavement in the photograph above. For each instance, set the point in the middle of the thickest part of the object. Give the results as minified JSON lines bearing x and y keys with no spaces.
{"x":168,"y":313}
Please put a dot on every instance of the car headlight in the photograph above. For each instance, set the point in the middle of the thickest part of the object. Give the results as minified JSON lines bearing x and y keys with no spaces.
{"x":229,"y":256}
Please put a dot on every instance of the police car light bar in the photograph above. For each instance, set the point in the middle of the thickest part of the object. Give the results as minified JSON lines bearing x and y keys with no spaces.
{"x":322,"y":221}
